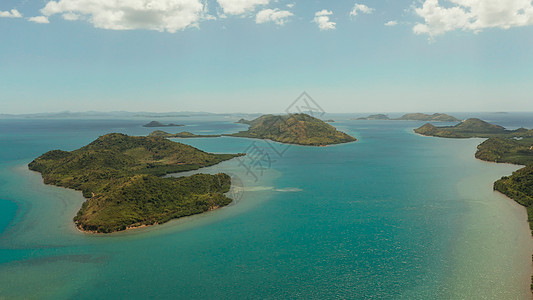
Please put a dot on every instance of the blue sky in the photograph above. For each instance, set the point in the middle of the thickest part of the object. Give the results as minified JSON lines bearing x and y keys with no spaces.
{"x":259,"y":55}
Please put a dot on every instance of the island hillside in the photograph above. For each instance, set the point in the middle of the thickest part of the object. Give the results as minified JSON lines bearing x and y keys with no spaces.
{"x":301,"y":129}
{"x":518,"y":151}
{"x":375,"y":117}
{"x":120,"y":177}
{"x":182,"y":135}
{"x":472,"y":128}
{"x":426,"y":117}
{"x":243,"y":121}
{"x":159,"y":124}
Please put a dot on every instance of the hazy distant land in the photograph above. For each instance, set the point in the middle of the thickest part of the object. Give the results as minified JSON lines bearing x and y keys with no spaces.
{"x":437,"y":117}
{"x":159,"y":124}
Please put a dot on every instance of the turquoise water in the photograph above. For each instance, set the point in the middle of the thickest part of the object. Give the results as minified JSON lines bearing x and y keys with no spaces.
{"x":395,"y":215}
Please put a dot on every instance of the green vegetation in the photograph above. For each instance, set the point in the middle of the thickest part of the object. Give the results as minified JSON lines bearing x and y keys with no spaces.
{"x":375,"y":117}
{"x":300,"y":129}
{"x":243,"y":121}
{"x":182,"y":135}
{"x":119,"y":176}
{"x":472,"y":128}
{"x":159,"y":124}
{"x":519,"y":187}
{"x":507,"y":150}
{"x":425,"y":117}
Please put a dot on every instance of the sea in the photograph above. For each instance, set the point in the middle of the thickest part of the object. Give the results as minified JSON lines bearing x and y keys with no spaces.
{"x":394,"y":215}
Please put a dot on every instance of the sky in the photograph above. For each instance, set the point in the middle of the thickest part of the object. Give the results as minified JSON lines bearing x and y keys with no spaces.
{"x":257,"y":56}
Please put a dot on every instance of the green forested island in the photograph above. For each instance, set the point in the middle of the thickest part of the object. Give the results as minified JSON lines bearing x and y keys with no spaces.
{"x":120,"y":176}
{"x":301,"y":129}
{"x":472,"y":128}
{"x":182,"y":135}
{"x":159,"y":124}
{"x":375,"y":117}
{"x":437,"y":117}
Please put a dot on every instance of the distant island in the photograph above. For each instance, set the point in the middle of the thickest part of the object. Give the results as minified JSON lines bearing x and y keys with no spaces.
{"x":300,"y":129}
{"x":120,"y":176}
{"x":375,"y":117}
{"x":437,"y":117}
{"x":182,"y":135}
{"x":243,"y":121}
{"x":425,"y":117}
{"x":471,"y":128}
{"x":329,"y":121}
{"x":159,"y":124}
{"x":502,"y":146}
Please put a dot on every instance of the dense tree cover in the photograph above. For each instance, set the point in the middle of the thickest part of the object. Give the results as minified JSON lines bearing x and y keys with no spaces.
{"x":300,"y":129}
{"x":507,"y":150}
{"x":118,"y":175}
{"x":472,"y":128}
{"x":519,"y":187}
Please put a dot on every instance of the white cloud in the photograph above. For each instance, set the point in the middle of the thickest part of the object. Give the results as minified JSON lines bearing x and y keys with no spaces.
{"x":161,"y":15}
{"x":391,"y":23}
{"x":39,"y":19}
{"x":472,"y":15}
{"x":239,"y":7}
{"x":273,"y":15}
{"x":10,"y":14}
{"x":322,"y":19}
{"x":360,"y":8}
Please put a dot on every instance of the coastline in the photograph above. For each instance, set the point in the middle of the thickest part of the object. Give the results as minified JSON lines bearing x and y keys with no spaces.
{"x":495,"y":241}
{"x":521,"y":243}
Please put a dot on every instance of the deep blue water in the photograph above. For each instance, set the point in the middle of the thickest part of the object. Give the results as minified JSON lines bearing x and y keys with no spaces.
{"x":379,"y":218}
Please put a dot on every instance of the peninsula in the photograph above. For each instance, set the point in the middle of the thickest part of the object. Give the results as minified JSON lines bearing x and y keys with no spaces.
{"x":159,"y":124}
{"x":300,"y":129}
{"x":120,"y":176}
